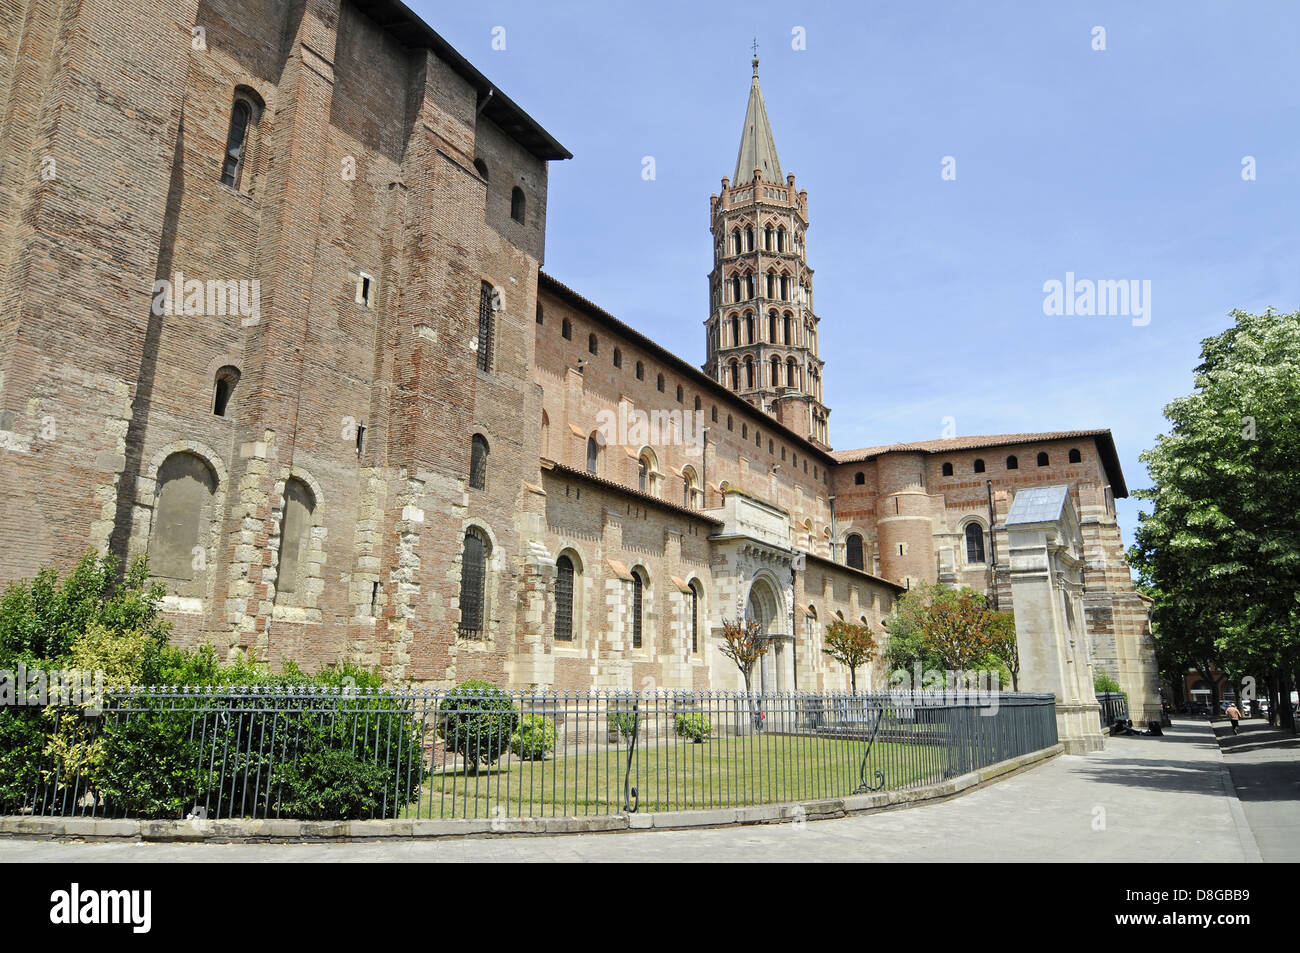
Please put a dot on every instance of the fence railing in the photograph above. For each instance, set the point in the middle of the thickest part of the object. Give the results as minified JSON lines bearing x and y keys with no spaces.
{"x":314,"y":753}
{"x":1114,"y":707}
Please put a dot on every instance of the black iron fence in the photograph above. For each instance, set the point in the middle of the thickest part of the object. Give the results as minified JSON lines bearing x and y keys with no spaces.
{"x":315,"y":753}
{"x":1114,"y":707}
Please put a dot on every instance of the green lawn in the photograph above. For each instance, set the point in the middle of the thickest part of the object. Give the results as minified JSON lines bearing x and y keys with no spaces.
{"x":677,"y":775}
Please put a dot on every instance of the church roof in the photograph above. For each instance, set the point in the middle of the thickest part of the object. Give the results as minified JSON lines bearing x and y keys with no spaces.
{"x":1104,"y":440}
{"x":757,"y":147}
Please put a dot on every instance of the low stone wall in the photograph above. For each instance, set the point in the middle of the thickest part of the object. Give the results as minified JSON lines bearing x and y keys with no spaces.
{"x":280,"y":831}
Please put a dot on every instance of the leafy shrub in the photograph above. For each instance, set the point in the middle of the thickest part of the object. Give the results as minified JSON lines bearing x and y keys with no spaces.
{"x":22,"y":744}
{"x":328,"y":783}
{"x":694,"y":726}
{"x":625,"y":723}
{"x":1104,"y":683}
{"x":534,"y":739}
{"x":476,"y":720}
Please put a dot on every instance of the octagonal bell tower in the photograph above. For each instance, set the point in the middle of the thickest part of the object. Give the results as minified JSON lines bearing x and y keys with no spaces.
{"x":762,"y":330}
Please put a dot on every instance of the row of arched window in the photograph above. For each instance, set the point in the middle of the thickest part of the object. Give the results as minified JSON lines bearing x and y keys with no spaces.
{"x":1013,"y":462}
{"x":781,"y":329}
{"x":568,"y":609}
{"x":517,"y":201}
{"x":774,"y":239}
{"x":780,"y":287}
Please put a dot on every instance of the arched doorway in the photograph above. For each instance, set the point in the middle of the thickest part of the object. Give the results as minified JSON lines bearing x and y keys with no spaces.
{"x":776,"y":667}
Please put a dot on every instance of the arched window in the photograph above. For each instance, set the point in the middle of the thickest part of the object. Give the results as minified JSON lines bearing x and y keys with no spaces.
{"x":771,"y":284}
{"x":1075,"y":456}
{"x":517,"y":204}
{"x":947,"y":469}
{"x":564,"y":599}
{"x":541,"y":315}
{"x":181,"y":518}
{"x":618,"y":358}
{"x":699,"y":404}
{"x":859,"y":478}
{"x":853,"y":551}
{"x":979,"y":466}
{"x":729,"y":415}
{"x":776,"y":371}
{"x":566,"y":330}
{"x":244,"y":113}
{"x":473,"y":583}
{"x":785,"y":288}
{"x":780,"y":239}
{"x":224,"y":389}
{"x":749,"y":372}
{"x":789,"y":329}
{"x":640,"y":371}
{"x":593,"y":455}
{"x":734,"y":367}
{"x":771,"y":326}
{"x":659,"y":383}
{"x":295,"y":536}
{"x":546,"y":435}
{"x":481,"y":168}
{"x":486,"y":325}
{"x":735,"y":330}
{"x":749,"y":238}
{"x":974,"y":543}
{"x":593,"y":346}
{"x":647,"y":473}
{"x":768,"y":236}
{"x":735,"y":242}
{"x":680,"y":393}
{"x":690,"y":489}
{"x":478,"y":460}
{"x":810,"y":623}
{"x":735,"y":288}
{"x":1042,"y":459}
{"x":792,"y":373}
{"x":1013,"y":463}
{"x":638,"y":607}
{"x":749,"y":329}
{"x":749,"y":286}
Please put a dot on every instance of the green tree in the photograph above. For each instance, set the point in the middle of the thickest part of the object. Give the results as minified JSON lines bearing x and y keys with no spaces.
{"x":1219,"y":552}
{"x":851,"y":644}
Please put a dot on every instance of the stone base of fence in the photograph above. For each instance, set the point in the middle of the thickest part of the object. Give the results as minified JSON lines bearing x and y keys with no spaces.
{"x":284,"y":831}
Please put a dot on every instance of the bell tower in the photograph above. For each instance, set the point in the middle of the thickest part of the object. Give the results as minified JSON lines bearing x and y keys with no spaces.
{"x":762,"y":330}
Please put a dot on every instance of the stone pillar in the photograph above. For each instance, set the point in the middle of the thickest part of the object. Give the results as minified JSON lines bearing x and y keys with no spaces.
{"x":1046,"y":563}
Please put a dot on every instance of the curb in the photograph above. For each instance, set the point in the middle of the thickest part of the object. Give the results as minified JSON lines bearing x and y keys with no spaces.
{"x":1245,"y":835}
{"x":284,"y":831}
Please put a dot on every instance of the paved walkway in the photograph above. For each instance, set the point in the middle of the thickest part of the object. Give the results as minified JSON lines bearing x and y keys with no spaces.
{"x":1160,"y":800}
{"x":1265,"y":767}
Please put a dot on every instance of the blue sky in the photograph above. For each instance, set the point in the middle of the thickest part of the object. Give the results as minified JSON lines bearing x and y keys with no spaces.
{"x":1117,"y":164}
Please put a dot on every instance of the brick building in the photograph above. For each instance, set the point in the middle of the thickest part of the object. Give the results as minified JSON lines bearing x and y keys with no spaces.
{"x":274,"y":315}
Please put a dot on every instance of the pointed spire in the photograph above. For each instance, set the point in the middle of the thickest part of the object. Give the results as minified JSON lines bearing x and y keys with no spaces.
{"x":757,"y":147}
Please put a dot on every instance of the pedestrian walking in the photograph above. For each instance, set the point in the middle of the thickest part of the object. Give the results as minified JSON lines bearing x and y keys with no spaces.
{"x":1234,"y":716}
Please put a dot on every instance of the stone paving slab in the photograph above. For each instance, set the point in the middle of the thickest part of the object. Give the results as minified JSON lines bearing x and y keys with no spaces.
{"x":1156,"y":800}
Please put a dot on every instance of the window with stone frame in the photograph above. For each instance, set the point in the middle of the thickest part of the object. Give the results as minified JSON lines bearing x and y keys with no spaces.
{"x":974,"y":544}
{"x":486,"y":325}
{"x":473,"y":584}
{"x":478,"y":462}
{"x":564,"y":591}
